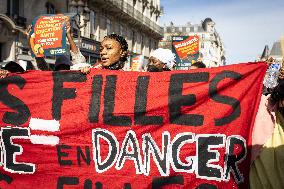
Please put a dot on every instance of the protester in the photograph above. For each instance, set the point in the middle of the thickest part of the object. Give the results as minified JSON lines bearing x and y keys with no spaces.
{"x":62,"y":63}
{"x":268,"y":160}
{"x":113,"y":52}
{"x":13,"y":67}
{"x":197,"y":65}
{"x":77,"y":57}
{"x":161,"y":60}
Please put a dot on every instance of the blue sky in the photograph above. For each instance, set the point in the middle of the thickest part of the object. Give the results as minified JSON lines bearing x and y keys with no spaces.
{"x":245,"y":26}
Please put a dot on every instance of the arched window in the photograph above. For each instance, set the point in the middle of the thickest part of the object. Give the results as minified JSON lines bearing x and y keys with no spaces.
{"x":50,"y":9}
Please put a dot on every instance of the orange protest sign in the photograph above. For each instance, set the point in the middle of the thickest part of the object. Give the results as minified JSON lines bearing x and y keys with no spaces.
{"x":48,"y":35}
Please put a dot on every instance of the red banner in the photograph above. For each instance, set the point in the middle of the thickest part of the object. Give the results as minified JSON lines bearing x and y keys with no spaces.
{"x":113,"y":129}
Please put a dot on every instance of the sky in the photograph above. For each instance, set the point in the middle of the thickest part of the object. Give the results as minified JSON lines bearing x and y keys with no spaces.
{"x":245,"y":26}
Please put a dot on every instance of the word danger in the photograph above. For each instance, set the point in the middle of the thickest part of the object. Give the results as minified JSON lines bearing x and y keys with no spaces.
{"x":203,"y":164}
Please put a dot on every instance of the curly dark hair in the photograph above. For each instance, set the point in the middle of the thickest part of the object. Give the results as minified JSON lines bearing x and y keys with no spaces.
{"x":123,"y":43}
{"x":199,"y":64}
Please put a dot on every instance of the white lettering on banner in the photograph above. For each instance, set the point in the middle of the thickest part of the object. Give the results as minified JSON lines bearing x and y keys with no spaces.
{"x":207,"y":162}
{"x":208,"y":156}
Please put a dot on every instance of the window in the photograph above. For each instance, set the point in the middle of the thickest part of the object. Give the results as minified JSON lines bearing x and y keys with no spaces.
{"x":50,"y":9}
{"x":13,"y":7}
{"x":168,"y":29}
{"x":150,"y":45}
{"x":142,"y":44}
{"x":1,"y":52}
{"x":15,"y":10}
{"x":155,"y":45}
{"x":202,"y":46}
{"x":176,"y":29}
{"x":108,"y":26}
{"x":133,"y":41}
{"x":93,"y":24}
{"x":121,"y":30}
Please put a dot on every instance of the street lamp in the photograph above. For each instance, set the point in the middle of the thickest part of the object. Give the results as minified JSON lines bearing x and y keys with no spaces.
{"x":81,"y":9}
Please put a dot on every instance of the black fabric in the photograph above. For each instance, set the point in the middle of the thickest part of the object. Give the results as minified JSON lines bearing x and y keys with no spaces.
{"x":62,"y":62}
{"x":62,"y":67}
{"x":13,"y":67}
{"x":278,"y":91}
{"x":152,"y":68}
{"x":42,"y":64}
{"x":116,"y":66}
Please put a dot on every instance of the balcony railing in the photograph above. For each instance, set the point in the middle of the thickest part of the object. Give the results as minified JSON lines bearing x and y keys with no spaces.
{"x":137,"y":15}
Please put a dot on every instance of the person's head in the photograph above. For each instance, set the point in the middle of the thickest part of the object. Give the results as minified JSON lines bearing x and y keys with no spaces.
{"x":197,"y":65}
{"x":161,"y":60}
{"x":13,"y":67}
{"x":62,"y":63}
{"x":113,"y":52}
{"x":277,"y":96}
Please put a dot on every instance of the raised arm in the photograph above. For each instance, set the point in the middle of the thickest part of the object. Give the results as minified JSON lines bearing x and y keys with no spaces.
{"x":40,"y":61}
{"x":77,"y":56}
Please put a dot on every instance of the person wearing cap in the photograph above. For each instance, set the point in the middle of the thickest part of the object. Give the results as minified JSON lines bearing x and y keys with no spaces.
{"x":161,"y":60}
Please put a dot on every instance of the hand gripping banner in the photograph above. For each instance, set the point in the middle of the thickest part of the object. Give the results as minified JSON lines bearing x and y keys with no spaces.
{"x":114,"y":129}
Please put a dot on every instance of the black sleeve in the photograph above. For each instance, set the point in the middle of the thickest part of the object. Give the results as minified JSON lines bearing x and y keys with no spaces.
{"x":278,"y":91}
{"x":41,"y":64}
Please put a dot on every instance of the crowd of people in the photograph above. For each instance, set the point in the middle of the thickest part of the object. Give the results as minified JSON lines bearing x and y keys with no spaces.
{"x":113,"y":52}
{"x":113,"y":55}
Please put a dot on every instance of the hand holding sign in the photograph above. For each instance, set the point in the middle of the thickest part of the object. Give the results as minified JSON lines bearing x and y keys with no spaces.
{"x":47,"y":36}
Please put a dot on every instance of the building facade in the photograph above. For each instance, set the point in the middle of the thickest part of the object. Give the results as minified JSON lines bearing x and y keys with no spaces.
{"x":136,"y":20}
{"x":276,"y":52}
{"x":211,"y":47}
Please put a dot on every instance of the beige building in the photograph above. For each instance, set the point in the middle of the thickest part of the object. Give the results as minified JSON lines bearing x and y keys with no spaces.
{"x":276,"y":52}
{"x":211,"y":47}
{"x":136,"y":20}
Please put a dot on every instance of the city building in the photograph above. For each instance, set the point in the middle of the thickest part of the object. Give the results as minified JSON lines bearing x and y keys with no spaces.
{"x":211,"y":47}
{"x":136,"y":20}
{"x":275,"y":52}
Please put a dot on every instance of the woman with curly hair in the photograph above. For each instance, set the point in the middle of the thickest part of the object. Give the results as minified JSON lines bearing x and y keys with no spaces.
{"x":113,"y":52}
